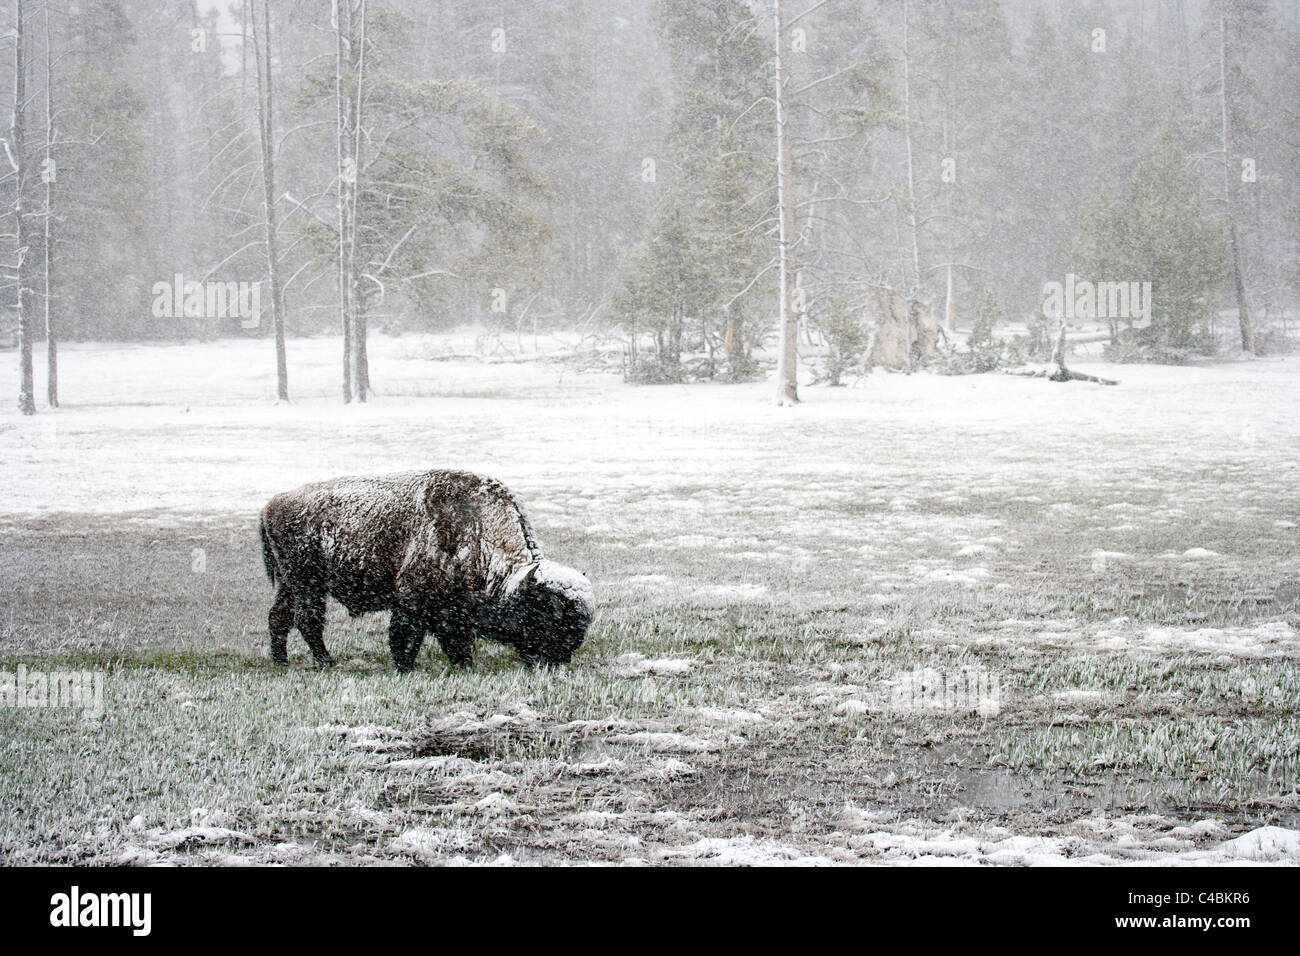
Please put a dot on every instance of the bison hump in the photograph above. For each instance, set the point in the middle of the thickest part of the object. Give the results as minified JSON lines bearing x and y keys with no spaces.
{"x":480,"y":514}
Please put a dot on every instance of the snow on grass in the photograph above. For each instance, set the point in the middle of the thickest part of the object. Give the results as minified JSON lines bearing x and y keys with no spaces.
{"x":852,"y":706}
{"x":966,"y":577}
{"x":1101,"y":559}
{"x":1274,"y":639}
{"x":742,"y":851}
{"x":635,"y":664}
{"x":1266,"y":844}
{"x":1121,"y":557}
{"x":661,"y":742}
{"x":444,"y":763}
{"x":1095,"y":840}
{"x":497,"y":804}
{"x":432,"y":844}
{"x":190,"y":836}
{"x":1077,"y":697}
{"x":1266,"y":640}
{"x":667,"y":768}
{"x":730,"y":716}
{"x":730,"y":593}
{"x":609,"y":765}
{"x":647,"y":580}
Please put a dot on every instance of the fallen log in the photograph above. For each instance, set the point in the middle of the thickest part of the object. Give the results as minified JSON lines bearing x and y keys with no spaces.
{"x":1063,"y":374}
{"x":1059,"y":375}
{"x":1066,"y":375}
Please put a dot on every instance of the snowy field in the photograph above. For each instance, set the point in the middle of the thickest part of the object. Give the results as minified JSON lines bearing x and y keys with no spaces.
{"x":1118,"y":567}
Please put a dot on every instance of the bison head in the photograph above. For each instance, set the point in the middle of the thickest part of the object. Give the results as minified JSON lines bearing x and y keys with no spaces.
{"x":549,"y":608}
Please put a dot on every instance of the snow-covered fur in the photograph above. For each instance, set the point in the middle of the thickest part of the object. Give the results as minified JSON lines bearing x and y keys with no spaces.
{"x":445,"y":551}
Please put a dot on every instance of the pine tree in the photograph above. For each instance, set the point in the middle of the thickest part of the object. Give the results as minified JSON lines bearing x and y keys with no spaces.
{"x":702,"y":272}
{"x":1158,"y":231}
{"x":450,"y":204}
{"x":666,"y":287}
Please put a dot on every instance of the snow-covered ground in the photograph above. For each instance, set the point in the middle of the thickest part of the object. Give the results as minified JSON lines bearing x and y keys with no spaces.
{"x":213,"y":443}
{"x":1121,"y":565}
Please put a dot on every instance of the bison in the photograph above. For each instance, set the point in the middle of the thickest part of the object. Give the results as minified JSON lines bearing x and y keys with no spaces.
{"x":444,"y":551}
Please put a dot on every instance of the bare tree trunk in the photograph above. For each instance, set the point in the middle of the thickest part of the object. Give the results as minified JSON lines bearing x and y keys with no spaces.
{"x":1184,"y":57}
{"x":735,"y":342}
{"x":360,"y":356}
{"x":913,"y":210}
{"x":1058,"y":352}
{"x":948,"y":306}
{"x":1061,"y":373}
{"x":26,"y":391}
{"x":1248,"y":341}
{"x":49,"y":175}
{"x":342,"y":18}
{"x":360,"y":359}
{"x":244,"y":14}
{"x":262,"y":55}
{"x":787,"y":360}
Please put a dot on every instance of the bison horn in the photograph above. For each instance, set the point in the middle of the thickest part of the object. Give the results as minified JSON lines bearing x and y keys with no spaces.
{"x":521,"y":579}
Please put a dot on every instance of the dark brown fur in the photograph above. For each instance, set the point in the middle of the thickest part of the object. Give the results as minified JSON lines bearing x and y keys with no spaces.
{"x":445,"y":551}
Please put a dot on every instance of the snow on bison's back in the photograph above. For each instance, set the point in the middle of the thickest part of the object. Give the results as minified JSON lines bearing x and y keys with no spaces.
{"x":447,"y":552}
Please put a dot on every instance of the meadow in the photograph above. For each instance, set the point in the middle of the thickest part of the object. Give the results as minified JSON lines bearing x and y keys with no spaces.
{"x":1114,"y":571}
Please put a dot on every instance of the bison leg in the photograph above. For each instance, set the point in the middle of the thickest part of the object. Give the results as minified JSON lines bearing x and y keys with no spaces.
{"x":281,"y":623}
{"x":529,"y":654}
{"x":454,"y":635}
{"x":309,"y":618}
{"x":458,"y":646}
{"x":405,"y":636}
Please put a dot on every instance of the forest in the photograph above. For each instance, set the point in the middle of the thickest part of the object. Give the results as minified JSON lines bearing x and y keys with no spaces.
{"x":893,"y":183}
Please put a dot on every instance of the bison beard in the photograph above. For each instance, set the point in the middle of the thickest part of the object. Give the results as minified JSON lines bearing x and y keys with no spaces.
{"x":445,"y":551}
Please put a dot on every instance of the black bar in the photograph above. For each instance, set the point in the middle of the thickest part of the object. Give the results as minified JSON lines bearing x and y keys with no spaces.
{"x":300,"y":905}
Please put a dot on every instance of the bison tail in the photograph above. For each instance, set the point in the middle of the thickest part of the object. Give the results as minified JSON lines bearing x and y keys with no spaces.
{"x":268,"y":556}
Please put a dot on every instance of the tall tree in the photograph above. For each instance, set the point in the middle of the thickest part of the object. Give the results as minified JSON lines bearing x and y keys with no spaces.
{"x":22,"y":231}
{"x":667,"y":283}
{"x":49,"y":174}
{"x":913,"y":206}
{"x":346,"y":182}
{"x":439,"y":195}
{"x":839,"y":98}
{"x":262,"y":55}
{"x":106,"y":210}
{"x":1230,"y":177}
{"x":1159,"y":232}
{"x":360,"y":357}
{"x":787,"y":357}
{"x":968,"y":132}
{"x":708,"y":213}
{"x":349,"y":77}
